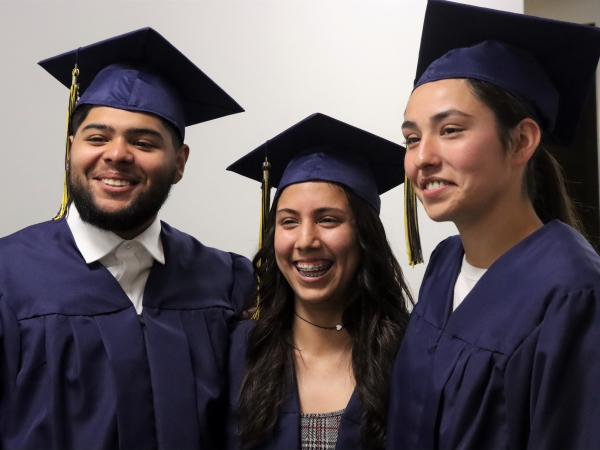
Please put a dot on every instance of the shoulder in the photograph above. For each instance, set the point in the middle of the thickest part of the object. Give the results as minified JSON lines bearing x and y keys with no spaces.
{"x":562,"y":258}
{"x":44,"y":231}
{"x":195,"y":275}
{"x":190,"y":252}
{"x":34,"y":247}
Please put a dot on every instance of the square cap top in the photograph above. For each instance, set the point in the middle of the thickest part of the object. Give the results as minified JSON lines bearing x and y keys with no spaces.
{"x":142,"y":71}
{"x":549,"y":65}
{"x":321,"y":148}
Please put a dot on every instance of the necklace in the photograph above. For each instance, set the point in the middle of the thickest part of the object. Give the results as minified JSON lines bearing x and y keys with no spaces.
{"x":336,"y":327}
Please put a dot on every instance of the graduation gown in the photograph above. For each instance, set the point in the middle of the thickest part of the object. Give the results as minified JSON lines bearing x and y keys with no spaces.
{"x":516,"y":365}
{"x":286,"y":434}
{"x":80,"y":368}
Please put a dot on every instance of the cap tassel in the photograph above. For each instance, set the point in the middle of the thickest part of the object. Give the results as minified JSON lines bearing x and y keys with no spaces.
{"x":411,"y":224}
{"x":73,"y":97}
{"x":264,"y":215}
{"x":265,"y":202}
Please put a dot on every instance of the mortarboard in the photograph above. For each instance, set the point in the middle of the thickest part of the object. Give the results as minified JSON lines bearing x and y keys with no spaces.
{"x":548,"y":65}
{"x":139,"y":71}
{"x":320,"y":148}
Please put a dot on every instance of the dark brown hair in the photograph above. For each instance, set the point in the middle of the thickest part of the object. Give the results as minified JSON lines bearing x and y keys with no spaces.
{"x":544,"y":183}
{"x":376,"y":317}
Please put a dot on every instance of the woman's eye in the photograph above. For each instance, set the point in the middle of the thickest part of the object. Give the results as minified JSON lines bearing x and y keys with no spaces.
{"x":411,"y":140}
{"x":451,"y":130}
{"x":329,"y":220}
{"x":288,"y":222}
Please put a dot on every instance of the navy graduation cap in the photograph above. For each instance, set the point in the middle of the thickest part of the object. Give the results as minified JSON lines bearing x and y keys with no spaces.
{"x":320,"y":148}
{"x":548,"y":65}
{"x":139,"y":71}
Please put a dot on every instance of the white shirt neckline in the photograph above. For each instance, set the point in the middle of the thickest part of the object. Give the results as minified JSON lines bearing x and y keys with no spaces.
{"x":94,"y":243}
{"x":467,"y":279}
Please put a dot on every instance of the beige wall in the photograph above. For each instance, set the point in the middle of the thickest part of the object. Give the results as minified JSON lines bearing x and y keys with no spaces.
{"x":280,"y":59}
{"x":578,"y":11}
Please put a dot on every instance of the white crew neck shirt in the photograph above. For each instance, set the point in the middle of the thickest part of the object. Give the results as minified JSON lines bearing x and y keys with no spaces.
{"x":129,"y":261}
{"x":467,"y":279}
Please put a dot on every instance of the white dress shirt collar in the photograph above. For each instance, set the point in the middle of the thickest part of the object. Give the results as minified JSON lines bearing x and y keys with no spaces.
{"x":94,"y":243}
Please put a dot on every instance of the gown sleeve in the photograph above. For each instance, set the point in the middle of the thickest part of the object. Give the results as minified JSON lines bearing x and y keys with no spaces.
{"x":562,"y":401}
{"x":9,"y":353}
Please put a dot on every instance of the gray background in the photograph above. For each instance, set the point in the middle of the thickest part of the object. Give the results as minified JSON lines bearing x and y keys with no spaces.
{"x":281,"y":60}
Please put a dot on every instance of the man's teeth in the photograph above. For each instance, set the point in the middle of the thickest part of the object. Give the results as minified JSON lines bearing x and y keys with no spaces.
{"x":113,"y":182}
{"x":312,"y":270}
{"x":435,"y":184}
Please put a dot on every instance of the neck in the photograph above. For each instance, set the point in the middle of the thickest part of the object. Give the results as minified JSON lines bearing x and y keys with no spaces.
{"x":310,"y":338}
{"x":488,"y":238}
{"x":131,"y":234}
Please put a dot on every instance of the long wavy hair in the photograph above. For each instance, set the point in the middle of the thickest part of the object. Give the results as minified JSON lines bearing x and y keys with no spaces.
{"x":376,"y":317}
{"x":544,"y":183}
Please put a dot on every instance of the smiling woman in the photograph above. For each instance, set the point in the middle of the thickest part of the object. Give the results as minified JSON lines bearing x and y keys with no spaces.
{"x":312,"y":370}
{"x":502,"y":347}
{"x":316,"y":247}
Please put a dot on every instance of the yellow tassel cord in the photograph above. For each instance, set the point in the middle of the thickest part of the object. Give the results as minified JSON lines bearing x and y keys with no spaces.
{"x":411,"y":224}
{"x":264,"y":215}
{"x":265,"y":203}
{"x":73,"y":97}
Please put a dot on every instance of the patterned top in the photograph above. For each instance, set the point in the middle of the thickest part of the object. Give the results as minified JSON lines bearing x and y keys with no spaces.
{"x":319,"y":431}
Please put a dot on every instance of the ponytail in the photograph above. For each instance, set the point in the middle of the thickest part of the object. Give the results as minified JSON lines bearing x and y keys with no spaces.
{"x":544,"y":183}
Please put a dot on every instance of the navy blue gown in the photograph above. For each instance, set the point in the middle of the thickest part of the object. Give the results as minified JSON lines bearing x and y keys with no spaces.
{"x":516,"y":365}
{"x":80,"y":369}
{"x":286,"y":435}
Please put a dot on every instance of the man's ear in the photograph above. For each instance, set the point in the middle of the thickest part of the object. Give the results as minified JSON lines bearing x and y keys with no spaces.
{"x":181,"y":158}
{"x":526,"y":138}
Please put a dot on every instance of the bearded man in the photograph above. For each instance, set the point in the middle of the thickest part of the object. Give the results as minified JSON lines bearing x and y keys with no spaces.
{"x":114,"y":325}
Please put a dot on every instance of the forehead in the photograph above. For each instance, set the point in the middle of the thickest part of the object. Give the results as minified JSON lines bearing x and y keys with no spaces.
{"x":443,"y":95}
{"x":122,"y":119}
{"x":438,"y":93}
{"x":313,"y":195}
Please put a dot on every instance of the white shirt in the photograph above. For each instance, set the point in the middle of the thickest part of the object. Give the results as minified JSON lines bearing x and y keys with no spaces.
{"x":467,"y":279}
{"x":128,"y":261}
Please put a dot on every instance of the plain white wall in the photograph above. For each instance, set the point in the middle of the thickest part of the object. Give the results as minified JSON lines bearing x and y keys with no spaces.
{"x":281,"y":60}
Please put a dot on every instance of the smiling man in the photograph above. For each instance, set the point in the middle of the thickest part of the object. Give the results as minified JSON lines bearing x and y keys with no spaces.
{"x":114,"y":325}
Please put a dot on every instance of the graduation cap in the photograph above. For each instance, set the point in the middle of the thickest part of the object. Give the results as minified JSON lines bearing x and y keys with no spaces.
{"x":139,"y":71}
{"x":320,"y":148}
{"x":547,"y":64}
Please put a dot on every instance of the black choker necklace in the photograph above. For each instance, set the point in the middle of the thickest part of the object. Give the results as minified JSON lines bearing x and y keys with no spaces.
{"x":337,"y":327}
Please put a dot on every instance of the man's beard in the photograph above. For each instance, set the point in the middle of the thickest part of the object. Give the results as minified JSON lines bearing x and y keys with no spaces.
{"x":141,"y":210}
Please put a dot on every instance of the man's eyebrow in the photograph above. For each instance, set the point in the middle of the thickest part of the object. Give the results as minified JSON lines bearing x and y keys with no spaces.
{"x":98,"y":126}
{"x":152,"y":131}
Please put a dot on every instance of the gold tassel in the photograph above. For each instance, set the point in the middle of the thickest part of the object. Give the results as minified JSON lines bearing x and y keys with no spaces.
{"x":265,"y":203}
{"x":73,"y":97}
{"x":411,"y":224}
{"x":264,"y":215}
